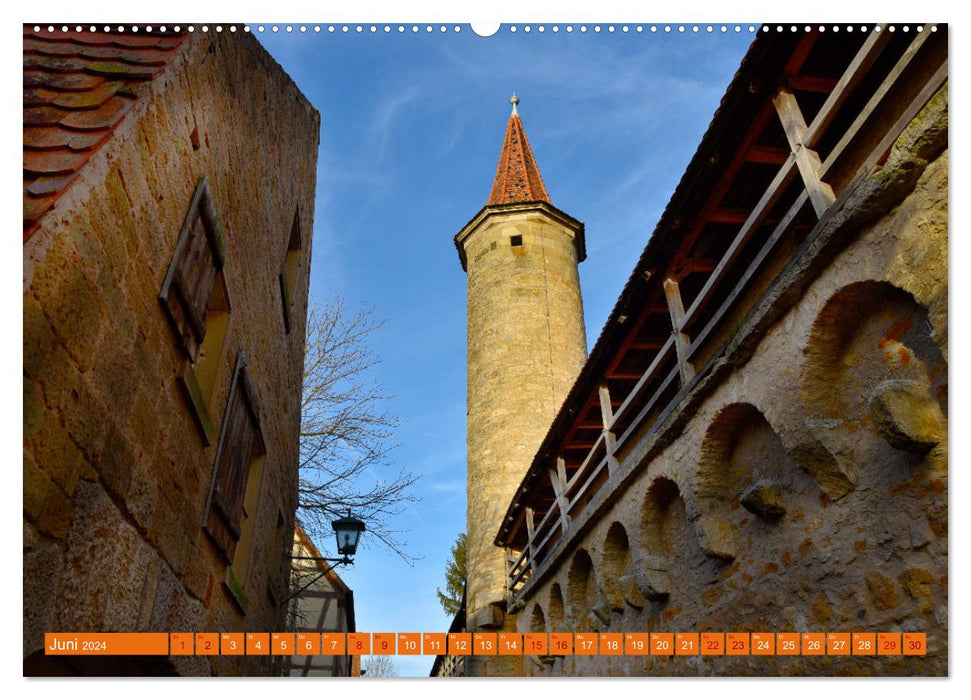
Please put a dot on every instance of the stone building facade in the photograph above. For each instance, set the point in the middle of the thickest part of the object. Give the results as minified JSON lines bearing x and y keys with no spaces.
{"x":168,"y":203}
{"x":758,"y":440}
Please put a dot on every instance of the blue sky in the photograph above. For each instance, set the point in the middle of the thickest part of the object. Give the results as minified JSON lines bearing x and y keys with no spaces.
{"x":411,"y":127}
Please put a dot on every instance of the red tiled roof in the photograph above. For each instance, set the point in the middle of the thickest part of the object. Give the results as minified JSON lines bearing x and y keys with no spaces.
{"x":517,"y":177}
{"x":78,"y":86}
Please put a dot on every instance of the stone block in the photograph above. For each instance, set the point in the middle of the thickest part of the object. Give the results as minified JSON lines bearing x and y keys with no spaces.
{"x":33,"y":413}
{"x":883,"y":593}
{"x":764,"y":499}
{"x":652,"y":580}
{"x":906,"y":416}
{"x":715,"y":537}
{"x":631,"y":593}
{"x":44,"y":504}
{"x":116,"y":463}
{"x":602,"y":612}
{"x":57,"y":455}
{"x":39,"y":340}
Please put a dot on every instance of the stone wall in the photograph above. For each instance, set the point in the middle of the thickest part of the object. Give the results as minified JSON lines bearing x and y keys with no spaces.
{"x":807,"y":491}
{"x":526,"y":344}
{"x":116,"y":472}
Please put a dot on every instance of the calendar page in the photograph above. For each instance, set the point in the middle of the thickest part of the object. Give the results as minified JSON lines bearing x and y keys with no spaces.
{"x":545,"y":349}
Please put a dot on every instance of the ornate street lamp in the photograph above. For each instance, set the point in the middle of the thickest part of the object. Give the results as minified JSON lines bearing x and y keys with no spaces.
{"x":348,"y":531}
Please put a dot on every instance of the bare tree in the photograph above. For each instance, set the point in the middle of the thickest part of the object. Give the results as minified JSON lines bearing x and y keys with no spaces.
{"x":378,"y":667}
{"x":346,"y":430}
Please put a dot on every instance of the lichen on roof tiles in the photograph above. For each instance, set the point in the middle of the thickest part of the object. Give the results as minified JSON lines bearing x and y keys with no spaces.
{"x":78,"y":87}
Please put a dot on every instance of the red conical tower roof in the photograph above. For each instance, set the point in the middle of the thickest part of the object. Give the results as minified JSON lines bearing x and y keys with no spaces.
{"x":517,"y":177}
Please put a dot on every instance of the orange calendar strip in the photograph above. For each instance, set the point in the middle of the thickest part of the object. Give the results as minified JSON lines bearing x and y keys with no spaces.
{"x":485,"y":644}
{"x":637,"y":644}
{"x":180,"y":644}
{"x":409,"y":643}
{"x":763,"y":643}
{"x":281,"y":643}
{"x":585,"y":643}
{"x":561,"y":643}
{"x":359,"y":643}
{"x":491,"y":643}
{"x":207,"y":643}
{"x":787,"y":644}
{"x":231,"y":643}
{"x":333,"y":643}
{"x":308,"y":644}
{"x":510,"y":644}
{"x":712,"y":643}
{"x":914,"y":644}
{"x":611,"y":644}
{"x":686,"y":643}
{"x":257,"y":643}
{"x":434,"y":643}
{"x":838,"y":643}
{"x":383,"y":644}
{"x":663,"y":644}
{"x":536,"y":643}
{"x":864,"y":643}
{"x":888,"y":643}
{"x":737,"y":644}
{"x":459,"y":644}
{"x":102,"y":644}
{"x":813,"y":643}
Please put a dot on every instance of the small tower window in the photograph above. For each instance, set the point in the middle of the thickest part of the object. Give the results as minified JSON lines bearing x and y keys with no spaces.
{"x":515,"y":241}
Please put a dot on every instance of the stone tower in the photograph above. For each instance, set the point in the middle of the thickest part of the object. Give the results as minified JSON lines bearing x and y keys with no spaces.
{"x":526,"y":344}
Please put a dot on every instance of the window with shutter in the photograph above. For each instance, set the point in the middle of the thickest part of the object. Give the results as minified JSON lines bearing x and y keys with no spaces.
{"x":196,"y":301}
{"x":288,"y":273}
{"x":234,"y":492}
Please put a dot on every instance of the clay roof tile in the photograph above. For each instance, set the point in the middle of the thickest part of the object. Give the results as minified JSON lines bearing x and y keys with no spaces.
{"x":78,"y":86}
{"x":517,"y":176}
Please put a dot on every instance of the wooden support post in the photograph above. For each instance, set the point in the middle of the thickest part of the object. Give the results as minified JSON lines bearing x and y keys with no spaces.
{"x":610,"y":441}
{"x":558,"y":480}
{"x":807,"y":160}
{"x":681,"y":340}
{"x":530,"y":533}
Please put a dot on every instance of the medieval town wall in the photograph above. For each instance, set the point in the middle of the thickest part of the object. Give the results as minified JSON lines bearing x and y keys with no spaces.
{"x":833,"y":432}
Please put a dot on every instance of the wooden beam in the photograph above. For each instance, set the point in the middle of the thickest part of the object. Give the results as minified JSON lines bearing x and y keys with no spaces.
{"x":690,"y":265}
{"x":767,"y":155}
{"x":558,"y":481}
{"x":811,"y":83}
{"x":753,"y":267}
{"x":530,"y":533}
{"x":851,"y":77}
{"x":646,"y":345}
{"x":878,"y":96}
{"x":728,"y":216}
{"x":623,"y":375}
{"x":681,"y":341}
{"x":778,"y":185}
{"x":607,"y":414}
{"x":807,"y":160}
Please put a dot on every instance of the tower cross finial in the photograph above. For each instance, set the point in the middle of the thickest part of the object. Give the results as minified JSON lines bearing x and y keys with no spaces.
{"x":514,"y":101}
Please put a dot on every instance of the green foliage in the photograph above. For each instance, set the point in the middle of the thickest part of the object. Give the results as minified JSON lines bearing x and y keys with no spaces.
{"x":451,"y":599}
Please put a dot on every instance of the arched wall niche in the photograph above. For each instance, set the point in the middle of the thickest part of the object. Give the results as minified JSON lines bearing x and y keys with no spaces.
{"x":873,"y":373}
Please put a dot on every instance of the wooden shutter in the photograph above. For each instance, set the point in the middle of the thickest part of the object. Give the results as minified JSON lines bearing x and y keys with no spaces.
{"x":188,"y":288}
{"x":240,"y":442}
